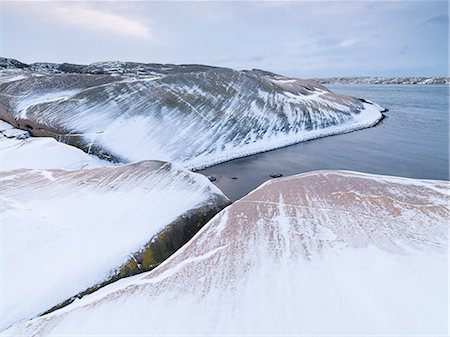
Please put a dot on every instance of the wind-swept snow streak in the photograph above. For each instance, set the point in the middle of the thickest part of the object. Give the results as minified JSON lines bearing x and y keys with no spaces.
{"x":321,"y":253}
{"x":195,"y":116}
{"x":67,"y":232}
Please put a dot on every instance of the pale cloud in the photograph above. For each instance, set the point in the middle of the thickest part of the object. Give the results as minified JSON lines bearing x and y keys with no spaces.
{"x":210,"y":11}
{"x":302,"y":38}
{"x":351,"y":42}
{"x":88,"y":18}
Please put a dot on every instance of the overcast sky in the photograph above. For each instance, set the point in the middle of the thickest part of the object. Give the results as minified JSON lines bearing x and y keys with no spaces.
{"x":304,"y":39}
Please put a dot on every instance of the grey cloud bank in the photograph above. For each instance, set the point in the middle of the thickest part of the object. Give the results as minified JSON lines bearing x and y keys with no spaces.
{"x":304,"y":39}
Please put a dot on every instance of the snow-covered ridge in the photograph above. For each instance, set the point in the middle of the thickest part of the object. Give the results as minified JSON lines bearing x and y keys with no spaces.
{"x":64,"y":232}
{"x":321,"y":253}
{"x":384,"y":80}
{"x":192,"y":115}
{"x":8,"y":66}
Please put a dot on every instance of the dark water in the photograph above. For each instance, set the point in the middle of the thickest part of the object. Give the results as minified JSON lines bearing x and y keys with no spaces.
{"x":412,"y":141}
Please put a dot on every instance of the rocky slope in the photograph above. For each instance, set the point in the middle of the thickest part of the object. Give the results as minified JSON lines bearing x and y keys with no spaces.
{"x":192,"y":115}
{"x":327,"y":252}
{"x":64,"y":233}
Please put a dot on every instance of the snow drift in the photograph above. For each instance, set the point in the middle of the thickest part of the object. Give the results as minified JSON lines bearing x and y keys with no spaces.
{"x":327,"y":252}
{"x":192,"y":115}
{"x":19,"y":150}
{"x":66,"y":232}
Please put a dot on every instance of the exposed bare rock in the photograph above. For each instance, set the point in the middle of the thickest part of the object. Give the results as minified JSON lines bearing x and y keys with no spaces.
{"x":7,"y":63}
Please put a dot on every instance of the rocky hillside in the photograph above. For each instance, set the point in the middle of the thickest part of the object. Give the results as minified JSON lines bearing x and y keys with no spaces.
{"x":192,"y":115}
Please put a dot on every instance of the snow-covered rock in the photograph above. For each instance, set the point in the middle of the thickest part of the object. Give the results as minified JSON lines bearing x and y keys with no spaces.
{"x":19,"y":150}
{"x":327,"y":252}
{"x":192,"y":115}
{"x":8,"y":63}
{"x":66,"y":232}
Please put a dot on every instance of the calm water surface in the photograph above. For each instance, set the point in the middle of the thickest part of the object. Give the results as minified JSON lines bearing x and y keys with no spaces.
{"x":412,"y":141}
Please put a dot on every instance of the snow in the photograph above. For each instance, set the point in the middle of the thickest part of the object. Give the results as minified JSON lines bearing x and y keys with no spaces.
{"x":6,"y":77}
{"x":5,"y":126}
{"x":368,"y":117}
{"x":31,"y":100}
{"x":300,"y":255}
{"x":65,"y":231}
{"x":194,"y":119}
{"x":19,"y":150}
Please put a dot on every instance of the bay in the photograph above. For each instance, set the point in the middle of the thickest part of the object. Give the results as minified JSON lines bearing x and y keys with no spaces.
{"x":412,"y":141}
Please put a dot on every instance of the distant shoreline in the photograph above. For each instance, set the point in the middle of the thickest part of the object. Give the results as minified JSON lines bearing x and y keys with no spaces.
{"x":143,"y":69}
{"x":384,"y":80}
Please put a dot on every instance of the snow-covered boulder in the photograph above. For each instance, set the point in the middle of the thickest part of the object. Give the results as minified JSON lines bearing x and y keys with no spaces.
{"x":321,"y":253}
{"x":64,"y":233}
{"x":193,"y":115}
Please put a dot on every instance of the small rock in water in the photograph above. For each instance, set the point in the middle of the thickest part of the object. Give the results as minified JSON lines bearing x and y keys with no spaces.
{"x":211,"y":178}
{"x":276,"y":175}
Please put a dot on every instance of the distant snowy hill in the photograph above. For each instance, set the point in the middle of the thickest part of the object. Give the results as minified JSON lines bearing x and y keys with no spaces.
{"x":66,"y":232}
{"x":322,"y":253}
{"x":192,"y":115}
{"x":383,"y":80}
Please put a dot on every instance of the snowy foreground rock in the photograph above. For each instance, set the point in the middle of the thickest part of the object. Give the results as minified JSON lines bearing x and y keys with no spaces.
{"x":192,"y":115}
{"x":66,"y":232}
{"x":327,"y":252}
{"x":19,"y":150}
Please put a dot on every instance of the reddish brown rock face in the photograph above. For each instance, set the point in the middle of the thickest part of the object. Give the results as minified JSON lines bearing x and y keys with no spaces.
{"x":327,"y":252}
